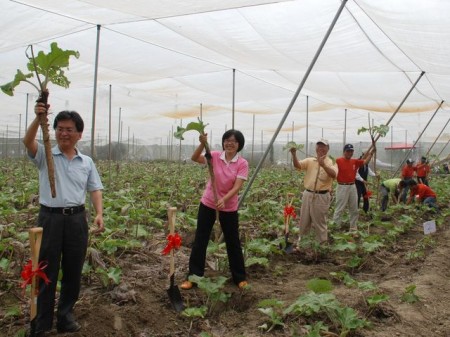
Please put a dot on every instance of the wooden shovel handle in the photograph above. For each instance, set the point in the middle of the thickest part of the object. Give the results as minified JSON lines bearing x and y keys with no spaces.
{"x":35,"y":236}
{"x":172,"y":213}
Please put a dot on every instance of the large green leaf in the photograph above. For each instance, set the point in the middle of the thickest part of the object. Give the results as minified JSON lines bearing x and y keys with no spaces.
{"x":198,"y":126}
{"x":8,"y":88}
{"x":51,"y":66}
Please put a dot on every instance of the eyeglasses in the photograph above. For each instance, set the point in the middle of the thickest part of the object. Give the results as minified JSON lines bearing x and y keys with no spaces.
{"x":230,"y":141}
{"x":67,"y":130}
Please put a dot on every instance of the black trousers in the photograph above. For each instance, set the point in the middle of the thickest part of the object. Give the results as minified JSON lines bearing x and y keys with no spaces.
{"x":229,"y":222}
{"x":422,"y":180}
{"x":361,"y":189}
{"x":64,"y":243}
{"x":405,"y":190}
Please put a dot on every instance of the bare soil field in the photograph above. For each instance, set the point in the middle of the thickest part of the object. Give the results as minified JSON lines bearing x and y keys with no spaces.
{"x":140,"y":306}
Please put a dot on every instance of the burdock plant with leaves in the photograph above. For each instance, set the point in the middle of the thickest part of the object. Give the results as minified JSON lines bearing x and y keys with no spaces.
{"x":200,"y":127}
{"x":375,"y":132}
{"x":48,"y":68}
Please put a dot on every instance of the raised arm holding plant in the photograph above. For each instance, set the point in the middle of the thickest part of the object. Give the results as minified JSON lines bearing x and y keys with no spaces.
{"x":200,"y":127}
{"x":51,"y":68}
{"x":375,"y":132}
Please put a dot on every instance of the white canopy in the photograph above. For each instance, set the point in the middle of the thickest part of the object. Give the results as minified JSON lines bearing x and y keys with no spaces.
{"x":165,"y":62}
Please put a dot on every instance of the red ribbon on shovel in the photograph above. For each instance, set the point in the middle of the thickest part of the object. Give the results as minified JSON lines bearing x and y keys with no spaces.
{"x":173,"y":242}
{"x":28,"y":273}
{"x":367,"y":195}
{"x":289,"y":211}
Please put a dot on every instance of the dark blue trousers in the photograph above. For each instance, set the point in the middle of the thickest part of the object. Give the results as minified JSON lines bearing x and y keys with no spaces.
{"x":64,"y":243}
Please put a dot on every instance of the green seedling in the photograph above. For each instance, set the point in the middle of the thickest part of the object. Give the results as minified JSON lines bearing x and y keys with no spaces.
{"x":273,"y":309}
{"x":213,"y":289}
{"x":409,"y":295}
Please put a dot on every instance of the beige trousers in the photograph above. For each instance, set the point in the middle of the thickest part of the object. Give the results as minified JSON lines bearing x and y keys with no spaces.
{"x":346,"y":195}
{"x":313,"y":215}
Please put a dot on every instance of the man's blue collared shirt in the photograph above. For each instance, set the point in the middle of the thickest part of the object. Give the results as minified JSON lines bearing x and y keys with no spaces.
{"x":73,"y":178}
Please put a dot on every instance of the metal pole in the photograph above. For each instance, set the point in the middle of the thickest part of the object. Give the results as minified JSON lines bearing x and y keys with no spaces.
{"x":118,"y":134}
{"x":291,"y":104}
{"x":109,"y":138}
{"x":392,"y":146}
{"x":345,"y":128}
{"x":7,"y":136}
{"x":20,"y":125}
{"x":26,"y":114}
{"x":418,"y":138}
{"x":128,"y":146}
{"x":94,"y":98}
{"x":440,"y":133}
{"x":307,"y":126}
{"x":398,"y":108}
{"x":234,"y":88}
{"x":253,"y":140}
{"x":109,"y":127}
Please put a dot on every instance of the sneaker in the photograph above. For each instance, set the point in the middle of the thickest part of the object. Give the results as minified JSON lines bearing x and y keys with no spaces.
{"x":186,"y":285}
{"x":242,"y":285}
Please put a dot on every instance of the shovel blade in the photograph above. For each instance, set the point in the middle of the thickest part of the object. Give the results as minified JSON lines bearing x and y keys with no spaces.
{"x":175,"y":295}
{"x":289,"y":248}
{"x":175,"y":298}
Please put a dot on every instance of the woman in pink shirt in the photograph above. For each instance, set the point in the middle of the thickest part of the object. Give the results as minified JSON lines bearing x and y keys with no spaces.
{"x":230,"y":172}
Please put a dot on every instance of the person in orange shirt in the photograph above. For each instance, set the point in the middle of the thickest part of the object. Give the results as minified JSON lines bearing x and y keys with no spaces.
{"x":421,"y":193}
{"x":422,"y":171}
{"x":407,"y":176}
{"x":346,"y":193}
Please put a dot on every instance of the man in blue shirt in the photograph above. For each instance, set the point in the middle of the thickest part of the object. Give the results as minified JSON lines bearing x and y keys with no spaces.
{"x":63,"y":218}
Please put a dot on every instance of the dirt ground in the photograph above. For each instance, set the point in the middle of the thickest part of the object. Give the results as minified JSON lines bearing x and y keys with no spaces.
{"x":140,"y":306}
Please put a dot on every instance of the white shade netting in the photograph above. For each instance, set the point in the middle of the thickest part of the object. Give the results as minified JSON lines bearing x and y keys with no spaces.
{"x":163,"y":63}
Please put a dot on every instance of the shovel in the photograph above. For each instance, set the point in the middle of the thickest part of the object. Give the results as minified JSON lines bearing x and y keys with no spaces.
{"x":35,"y":236}
{"x":173,"y":291}
{"x":288,"y":247}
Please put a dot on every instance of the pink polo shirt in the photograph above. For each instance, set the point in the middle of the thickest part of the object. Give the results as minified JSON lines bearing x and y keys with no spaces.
{"x":225,"y":174}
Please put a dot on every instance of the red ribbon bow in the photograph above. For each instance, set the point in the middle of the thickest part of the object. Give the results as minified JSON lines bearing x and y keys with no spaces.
{"x":28,"y":273}
{"x":173,"y":242}
{"x":289,"y":211}
{"x":367,"y":195}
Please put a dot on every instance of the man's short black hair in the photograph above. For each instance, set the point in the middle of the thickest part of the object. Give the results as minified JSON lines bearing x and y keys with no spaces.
{"x":69,"y":115}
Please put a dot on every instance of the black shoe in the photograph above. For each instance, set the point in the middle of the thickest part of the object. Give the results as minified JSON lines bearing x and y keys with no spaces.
{"x":72,"y":326}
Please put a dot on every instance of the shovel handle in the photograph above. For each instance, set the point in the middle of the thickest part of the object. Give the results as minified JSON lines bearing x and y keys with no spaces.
{"x":35,"y":236}
{"x":172,"y":213}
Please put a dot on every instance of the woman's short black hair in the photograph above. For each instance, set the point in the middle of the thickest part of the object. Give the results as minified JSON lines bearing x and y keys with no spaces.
{"x":69,"y":115}
{"x":237,"y":135}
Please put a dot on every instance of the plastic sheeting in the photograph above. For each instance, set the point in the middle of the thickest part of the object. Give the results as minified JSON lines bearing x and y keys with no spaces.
{"x":168,"y":61}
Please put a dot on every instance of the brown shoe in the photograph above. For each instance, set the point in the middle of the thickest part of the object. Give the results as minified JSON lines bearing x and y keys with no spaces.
{"x":242,"y":285}
{"x":186,"y":285}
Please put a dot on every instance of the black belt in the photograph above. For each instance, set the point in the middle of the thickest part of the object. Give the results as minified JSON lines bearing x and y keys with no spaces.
{"x":63,"y":210}
{"x":318,"y":192}
{"x":346,"y":183}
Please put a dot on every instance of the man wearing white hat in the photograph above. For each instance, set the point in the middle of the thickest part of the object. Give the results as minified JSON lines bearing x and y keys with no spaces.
{"x":318,"y":181}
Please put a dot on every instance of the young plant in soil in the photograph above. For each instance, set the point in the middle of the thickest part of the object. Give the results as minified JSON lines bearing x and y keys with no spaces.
{"x":51,"y":68}
{"x":409,"y":295}
{"x":213,"y":289}
{"x":273,"y":308}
